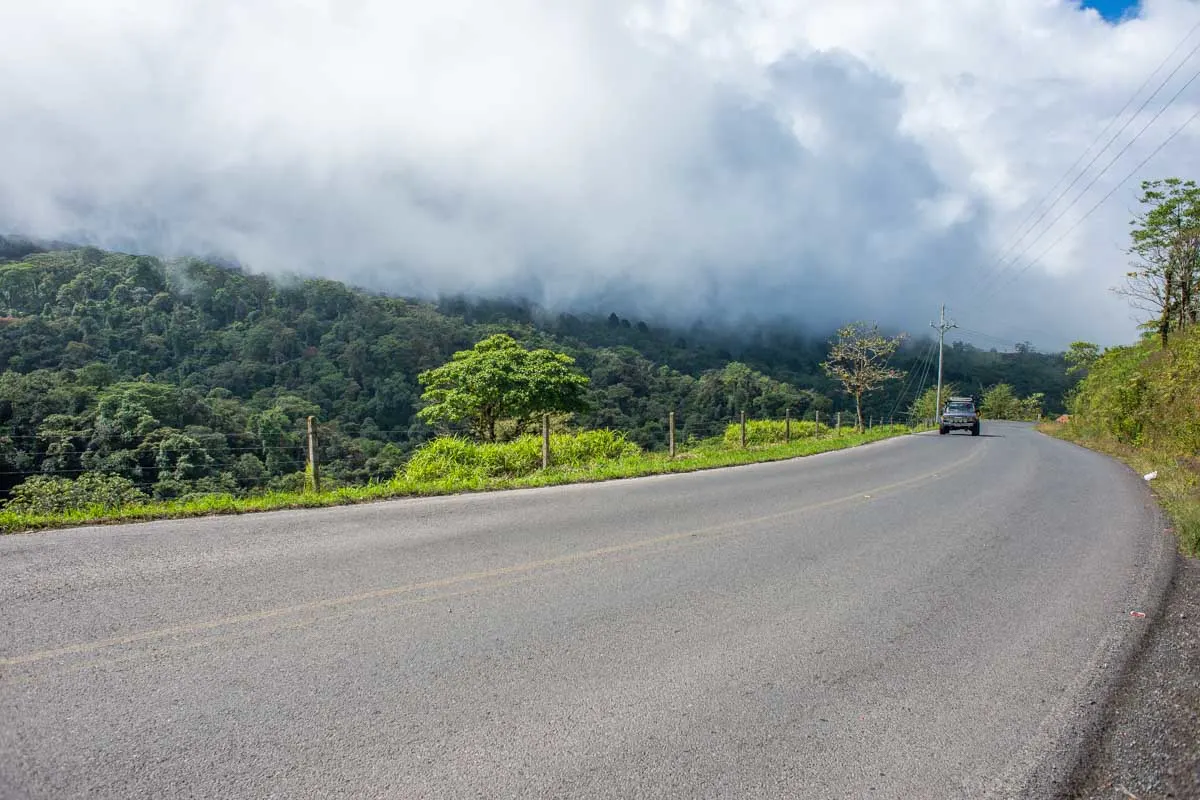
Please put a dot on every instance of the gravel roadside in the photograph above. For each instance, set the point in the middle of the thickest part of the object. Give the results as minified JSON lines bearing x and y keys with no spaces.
{"x":1150,"y":744}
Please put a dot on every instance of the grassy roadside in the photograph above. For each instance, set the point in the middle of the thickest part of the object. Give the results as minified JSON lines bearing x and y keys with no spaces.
{"x":1177,"y":485}
{"x":709,"y":456}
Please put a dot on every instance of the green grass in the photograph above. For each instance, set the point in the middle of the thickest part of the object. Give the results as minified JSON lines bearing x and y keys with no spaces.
{"x":593,"y":456}
{"x":1177,"y":485}
{"x":466,"y":460}
{"x":769,"y":431}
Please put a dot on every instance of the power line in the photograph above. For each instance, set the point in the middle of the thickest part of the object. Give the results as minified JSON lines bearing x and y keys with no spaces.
{"x":1098,"y":176}
{"x":1102,"y":200}
{"x":924,"y":359}
{"x":925,"y":375}
{"x":941,"y":328}
{"x":988,"y":337}
{"x":1112,"y":121}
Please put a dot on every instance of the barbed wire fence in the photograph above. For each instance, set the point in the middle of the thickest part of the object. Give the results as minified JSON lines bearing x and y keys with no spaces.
{"x":299,"y":465}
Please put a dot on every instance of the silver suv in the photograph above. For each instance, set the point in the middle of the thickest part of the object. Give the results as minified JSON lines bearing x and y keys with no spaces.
{"x":959,"y":415}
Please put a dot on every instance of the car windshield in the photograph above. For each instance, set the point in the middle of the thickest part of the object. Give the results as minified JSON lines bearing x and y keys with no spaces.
{"x":959,"y":408}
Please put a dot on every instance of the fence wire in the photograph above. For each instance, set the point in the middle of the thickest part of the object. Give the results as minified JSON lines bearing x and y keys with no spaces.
{"x":153,"y":469}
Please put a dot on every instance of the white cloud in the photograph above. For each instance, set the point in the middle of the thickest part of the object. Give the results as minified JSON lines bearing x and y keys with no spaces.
{"x":819,"y":160}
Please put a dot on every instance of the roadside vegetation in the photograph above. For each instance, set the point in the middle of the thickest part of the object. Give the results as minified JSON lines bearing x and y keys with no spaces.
{"x":998,"y":402}
{"x":482,"y":402}
{"x":449,"y":466}
{"x":1141,"y":403}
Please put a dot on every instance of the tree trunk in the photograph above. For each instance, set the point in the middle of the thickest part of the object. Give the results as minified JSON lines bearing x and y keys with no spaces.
{"x":1189,"y":282}
{"x":1164,"y":323}
{"x":491,"y":429}
{"x":858,"y":411}
{"x":1185,"y":302}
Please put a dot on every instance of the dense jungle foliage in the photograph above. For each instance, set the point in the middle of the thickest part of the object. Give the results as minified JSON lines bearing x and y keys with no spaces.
{"x":187,"y":377}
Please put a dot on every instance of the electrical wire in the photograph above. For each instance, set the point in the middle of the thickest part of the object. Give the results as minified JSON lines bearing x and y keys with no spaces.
{"x":981,"y":293}
{"x":925,"y":359}
{"x":1103,"y":199}
{"x":988,"y":273}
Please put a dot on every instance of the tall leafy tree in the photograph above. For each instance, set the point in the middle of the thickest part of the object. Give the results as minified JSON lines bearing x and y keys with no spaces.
{"x":859,"y":360}
{"x":1080,"y":356}
{"x":498,"y":379}
{"x":1165,"y":277}
{"x":999,"y":402}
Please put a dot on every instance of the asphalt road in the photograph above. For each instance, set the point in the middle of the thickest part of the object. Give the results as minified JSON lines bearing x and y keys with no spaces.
{"x":925,"y":617}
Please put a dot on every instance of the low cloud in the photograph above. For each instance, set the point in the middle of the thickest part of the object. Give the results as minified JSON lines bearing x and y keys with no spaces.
{"x":813,"y":162}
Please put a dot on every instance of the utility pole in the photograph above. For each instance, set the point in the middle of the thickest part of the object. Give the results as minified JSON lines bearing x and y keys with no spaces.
{"x":941,"y":327}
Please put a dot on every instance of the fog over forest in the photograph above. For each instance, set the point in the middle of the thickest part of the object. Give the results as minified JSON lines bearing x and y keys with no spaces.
{"x":673,"y":159}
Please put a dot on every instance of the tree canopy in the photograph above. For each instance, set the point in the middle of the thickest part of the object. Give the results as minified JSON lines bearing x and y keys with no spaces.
{"x":860,"y":360}
{"x":498,"y":379}
{"x":1165,"y":277}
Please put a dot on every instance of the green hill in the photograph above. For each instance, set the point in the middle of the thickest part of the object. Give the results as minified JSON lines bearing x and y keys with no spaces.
{"x":187,"y":377}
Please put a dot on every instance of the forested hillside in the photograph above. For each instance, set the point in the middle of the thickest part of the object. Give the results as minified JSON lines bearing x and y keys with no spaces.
{"x":1142,"y":402}
{"x":190,"y":377}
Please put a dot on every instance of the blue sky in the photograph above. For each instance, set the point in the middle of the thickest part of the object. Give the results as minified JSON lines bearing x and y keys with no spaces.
{"x":1112,"y":10}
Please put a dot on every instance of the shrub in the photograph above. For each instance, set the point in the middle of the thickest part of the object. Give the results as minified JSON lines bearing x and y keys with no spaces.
{"x":590,"y":447}
{"x":1145,"y":396}
{"x":291,"y":483}
{"x":768,"y":431}
{"x":453,"y":458}
{"x":444,"y":457}
{"x":45,"y":494}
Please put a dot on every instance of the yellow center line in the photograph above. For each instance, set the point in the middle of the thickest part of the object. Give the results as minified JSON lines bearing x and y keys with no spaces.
{"x":455,"y":580}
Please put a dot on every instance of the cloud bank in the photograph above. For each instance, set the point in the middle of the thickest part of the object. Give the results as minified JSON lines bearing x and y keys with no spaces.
{"x":676,"y":159}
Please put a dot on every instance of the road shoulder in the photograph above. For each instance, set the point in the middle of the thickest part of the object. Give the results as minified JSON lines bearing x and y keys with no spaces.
{"x":1149,"y":743}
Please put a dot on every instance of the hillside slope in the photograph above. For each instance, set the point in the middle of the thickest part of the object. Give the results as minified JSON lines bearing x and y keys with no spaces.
{"x":1142,"y":402}
{"x":186,"y":376}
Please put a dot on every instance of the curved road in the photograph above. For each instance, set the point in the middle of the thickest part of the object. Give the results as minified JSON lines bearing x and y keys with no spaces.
{"x":925,"y":617}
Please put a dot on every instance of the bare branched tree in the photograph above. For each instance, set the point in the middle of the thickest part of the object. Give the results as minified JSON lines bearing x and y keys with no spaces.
{"x":859,"y":359}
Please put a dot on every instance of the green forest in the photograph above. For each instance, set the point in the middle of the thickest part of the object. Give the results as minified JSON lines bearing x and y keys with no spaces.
{"x":187,"y":377}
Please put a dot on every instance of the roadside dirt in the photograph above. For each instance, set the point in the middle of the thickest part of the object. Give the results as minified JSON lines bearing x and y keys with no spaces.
{"x":1150,"y":741}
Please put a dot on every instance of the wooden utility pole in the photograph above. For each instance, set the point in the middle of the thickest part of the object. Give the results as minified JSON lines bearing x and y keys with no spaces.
{"x":313,"y":467}
{"x":545,"y":441}
{"x":941,"y":328}
{"x":743,"y":430}
{"x":787,"y":426}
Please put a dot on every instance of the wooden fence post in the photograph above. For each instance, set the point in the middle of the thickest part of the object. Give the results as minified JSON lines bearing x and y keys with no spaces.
{"x":743,"y":430}
{"x":671,"y":433}
{"x":545,"y":441}
{"x":817,"y":427}
{"x":314,"y":468}
{"x":787,"y":426}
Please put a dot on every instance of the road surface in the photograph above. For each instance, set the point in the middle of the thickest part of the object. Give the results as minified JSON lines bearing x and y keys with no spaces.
{"x":924,"y":617}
